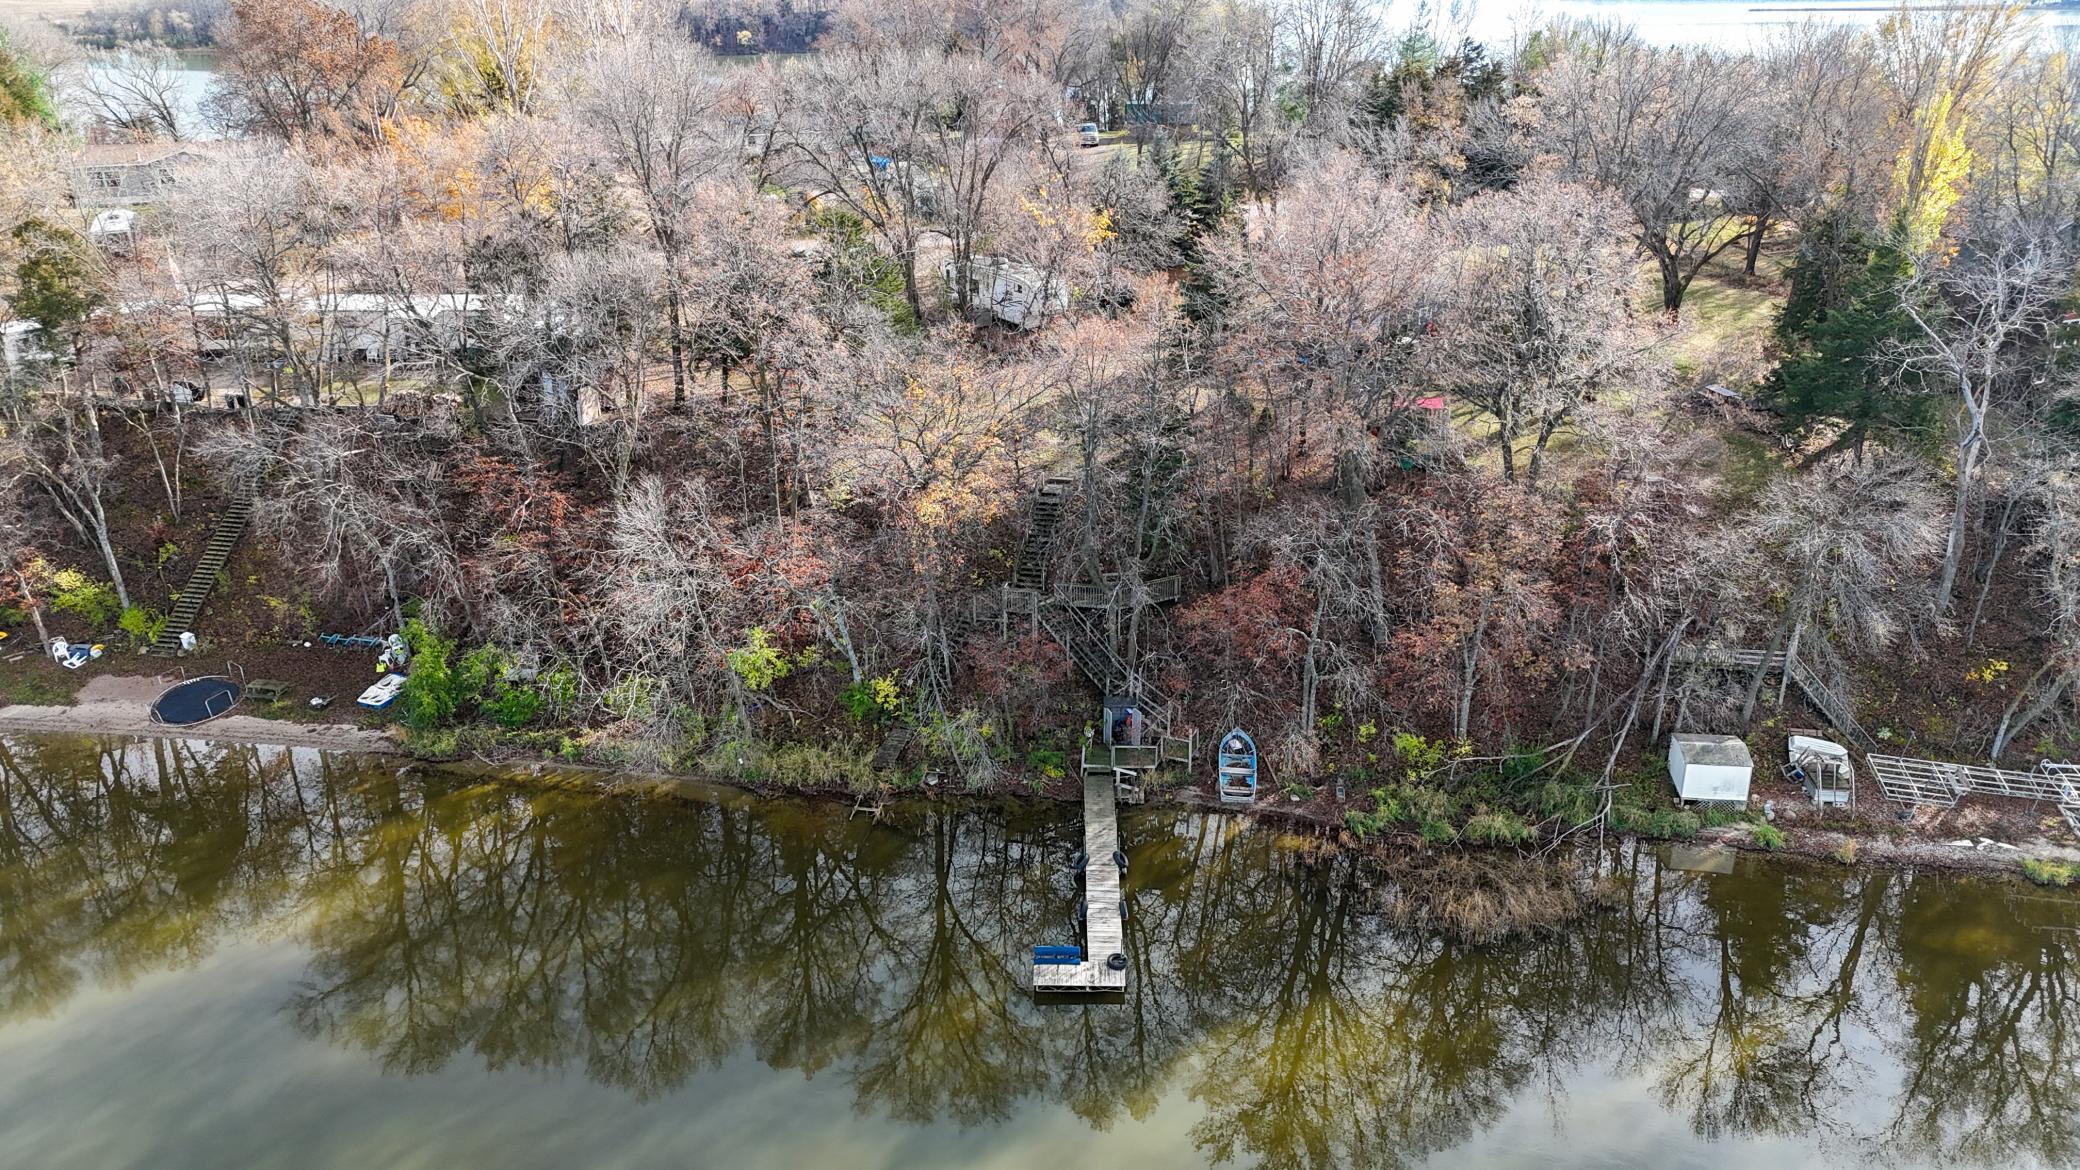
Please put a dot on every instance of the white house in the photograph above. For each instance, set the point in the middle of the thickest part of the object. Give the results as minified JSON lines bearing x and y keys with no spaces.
{"x":1710,"y":767}
{"x":1018,"y":295}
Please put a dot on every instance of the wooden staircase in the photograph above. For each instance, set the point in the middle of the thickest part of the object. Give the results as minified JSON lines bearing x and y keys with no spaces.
{"x":1093,"y":654}
{"x":1030,"y":571}
{"x":933,"y":677}
{"x":188,"y":605}
{"x":1823,"y":697}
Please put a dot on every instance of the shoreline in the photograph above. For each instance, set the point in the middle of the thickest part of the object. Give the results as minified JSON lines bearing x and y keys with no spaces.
{"x":120,"y":705}
{"x":112,"y":704}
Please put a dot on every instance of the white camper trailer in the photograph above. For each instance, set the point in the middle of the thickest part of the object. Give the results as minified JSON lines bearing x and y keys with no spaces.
{"x":1710,"y":767}
{"x":1019,"y":295}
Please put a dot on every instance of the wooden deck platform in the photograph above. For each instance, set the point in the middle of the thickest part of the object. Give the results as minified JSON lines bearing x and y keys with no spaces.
{"x":1105,"y":933}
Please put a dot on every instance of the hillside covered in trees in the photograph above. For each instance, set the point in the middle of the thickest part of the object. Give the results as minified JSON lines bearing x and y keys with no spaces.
{"x":1404,"y":398}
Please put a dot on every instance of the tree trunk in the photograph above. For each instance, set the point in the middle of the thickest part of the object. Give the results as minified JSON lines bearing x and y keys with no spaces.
{"x":1970,"y":452}
{"x":676,"y":321}
{"x":1776,"y":643}
{"x":1673,"y":283}
{"x":2028,"y":707}
{"x":35,"y":607}
{"x":910,"y":294}
{"x":1755,"y":237}
{"x":1470,"y":656}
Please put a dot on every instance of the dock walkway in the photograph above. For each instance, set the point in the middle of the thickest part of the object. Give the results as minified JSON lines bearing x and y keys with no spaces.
{"x":1105,"y":933}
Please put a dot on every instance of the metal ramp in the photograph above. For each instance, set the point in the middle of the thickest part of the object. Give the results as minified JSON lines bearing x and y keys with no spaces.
{"x":1937,"y":782}
{"x":2067,"y":778}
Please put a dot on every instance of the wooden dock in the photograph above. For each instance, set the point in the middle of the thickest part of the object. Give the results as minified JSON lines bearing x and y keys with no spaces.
{"x":1104,"y":926}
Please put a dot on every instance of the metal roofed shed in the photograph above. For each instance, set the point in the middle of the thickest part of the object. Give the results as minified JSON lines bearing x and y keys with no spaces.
{"x":1710,"y":767}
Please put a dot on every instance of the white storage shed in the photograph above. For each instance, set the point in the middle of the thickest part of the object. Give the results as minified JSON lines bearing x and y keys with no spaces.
{"x":1710,"y":767}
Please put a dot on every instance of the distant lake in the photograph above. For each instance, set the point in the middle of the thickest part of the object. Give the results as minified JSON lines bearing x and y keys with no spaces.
{"x":197,"y":68}
{"x":1727,"y":24}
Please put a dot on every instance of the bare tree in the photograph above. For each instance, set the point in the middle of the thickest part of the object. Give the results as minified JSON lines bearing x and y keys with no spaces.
{"x":1834,"y":545}
{"x":2057,"y":548}
{"x":251,"y":234}
{"x":657,"y":103}
{"x":1331,"y":44}
{"x":1660,"y":128}
{"x":133,"y":93}
{"x":58,"y":447}
{"x":1981,"y":320}
{"x":1242,"y":80}
{"x":920,"y":141}
{"x":1541,"y":319}
{"x":1818,"y":132}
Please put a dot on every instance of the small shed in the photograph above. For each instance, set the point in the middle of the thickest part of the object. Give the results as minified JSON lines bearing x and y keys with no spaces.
{"x":1710,"y":767}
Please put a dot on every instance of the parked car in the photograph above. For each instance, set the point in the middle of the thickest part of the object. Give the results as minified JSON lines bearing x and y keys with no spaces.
{"x":1087,"y":134}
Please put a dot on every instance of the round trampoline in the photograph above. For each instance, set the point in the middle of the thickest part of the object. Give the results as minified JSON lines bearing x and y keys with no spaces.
{"x":195,"y":700}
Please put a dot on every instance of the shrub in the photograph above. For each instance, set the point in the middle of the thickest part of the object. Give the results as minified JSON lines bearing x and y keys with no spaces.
{"x":758,"y":662}
{"x":2049,"y":873}
{"x":1365,"y":824}
{"x":1573,"y":803}
{"x":514,"y":706}
{"x":429,"y":743}
{"x":559,"y":688}
{"x":1498,"y":828}
{"x":144,"y":626}
{"x":1438,"y":832}
{"x":1052,"y":763}
{"x":92,"y":601}
{"x":1846,"y":852}
{"x":1662,"y":823}
{"x":428,"y":698}
{"x":1767,"y":835}
{"x":872,"y":698}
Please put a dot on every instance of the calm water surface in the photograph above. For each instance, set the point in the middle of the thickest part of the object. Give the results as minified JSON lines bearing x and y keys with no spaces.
{"x":230,"y":957}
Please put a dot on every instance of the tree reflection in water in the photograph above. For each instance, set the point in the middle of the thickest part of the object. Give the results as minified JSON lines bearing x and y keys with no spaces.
{"x":451,"y":916}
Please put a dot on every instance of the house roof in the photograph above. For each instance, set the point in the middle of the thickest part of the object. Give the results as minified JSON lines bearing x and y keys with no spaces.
{"x":130,"y":154}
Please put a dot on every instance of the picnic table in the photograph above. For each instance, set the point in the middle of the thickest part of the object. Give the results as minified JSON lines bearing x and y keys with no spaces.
{"x":267,"y":690}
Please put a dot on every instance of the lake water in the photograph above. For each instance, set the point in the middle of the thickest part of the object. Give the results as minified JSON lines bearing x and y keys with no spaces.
{"x":192,"y":81}
{"x":232,"y":957}
{"x":1728,"y":24}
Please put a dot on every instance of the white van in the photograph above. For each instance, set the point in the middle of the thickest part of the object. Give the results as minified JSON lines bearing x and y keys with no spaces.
{"x":1087,"y":134}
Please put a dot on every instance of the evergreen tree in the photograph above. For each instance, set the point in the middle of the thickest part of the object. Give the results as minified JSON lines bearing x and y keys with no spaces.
{"x":1843,"y":314}
{"x":54,"y":287}
{"x":25,"y":91}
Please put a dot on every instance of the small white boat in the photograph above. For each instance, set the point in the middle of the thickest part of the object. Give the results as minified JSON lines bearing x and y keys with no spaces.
{"x":383,"y":693}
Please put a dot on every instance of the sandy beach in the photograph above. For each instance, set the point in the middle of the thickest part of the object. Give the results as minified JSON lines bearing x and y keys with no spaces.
{"x":122,"y":705}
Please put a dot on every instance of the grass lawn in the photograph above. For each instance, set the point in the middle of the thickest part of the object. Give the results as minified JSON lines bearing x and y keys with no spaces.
{"x":1725,"y":323}
{"x":1722,"y":335}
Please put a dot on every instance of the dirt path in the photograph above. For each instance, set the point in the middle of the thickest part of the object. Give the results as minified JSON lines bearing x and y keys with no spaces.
{"x":122,"y":705}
